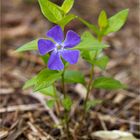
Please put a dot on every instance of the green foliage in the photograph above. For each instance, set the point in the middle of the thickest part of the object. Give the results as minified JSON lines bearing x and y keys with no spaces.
{"x":57,"y":14}
{"x":30,"y":83}
{"x":116,"y":22}
{"x":92,"y":103}
{"x":45,"y":58}
{"x":101,"y":62}
{"x":28,"y":46}
{"x":89,"y":56}
{"x":90,"y":26}
{"x":66,"y":20}
{"x":67,"y":103}
{"x":49,"y":91}
{"x":108,"y":83}
{"x":51,"y":103}
{"x":44,"y":79}
{"x":51,"y":11}
{"x":89,"y":43}
{"x":67,"y":5}
{"x":71,"y":76}
{"x":102,"y":20}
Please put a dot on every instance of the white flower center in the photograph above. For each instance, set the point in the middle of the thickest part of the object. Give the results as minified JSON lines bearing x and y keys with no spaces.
{"x":59,"y":47}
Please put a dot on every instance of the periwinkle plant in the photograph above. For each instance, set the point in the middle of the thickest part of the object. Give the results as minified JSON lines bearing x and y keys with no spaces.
{"x":58,"y":53}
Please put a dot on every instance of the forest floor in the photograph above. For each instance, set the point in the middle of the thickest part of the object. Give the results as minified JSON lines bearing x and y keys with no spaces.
{"x":24,"y":115}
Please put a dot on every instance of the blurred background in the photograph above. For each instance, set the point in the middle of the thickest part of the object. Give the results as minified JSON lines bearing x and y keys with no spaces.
{"x":22,"y":21}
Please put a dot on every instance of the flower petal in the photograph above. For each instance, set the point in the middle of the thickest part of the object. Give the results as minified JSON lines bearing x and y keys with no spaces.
{"x":56,"y":34}
{"x":72,"y":39}
{"x":70,"y":56}
{"x":45,"y":46}
{"x":55,"y":63}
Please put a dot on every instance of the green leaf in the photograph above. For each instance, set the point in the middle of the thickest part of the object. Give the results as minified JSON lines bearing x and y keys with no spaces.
{"x":102,"y":20}
{"x":49,"y":91}
{"x":45,"y":58}
{"x":92,"y":103}
{"x":42,"y":80}
{"x":90,"y":56}
{"x":67,"y":103}
{"x":116,"y":22}
{"x":102,"y":62}
{"x":28,"y":46}
{"x":86,"y":55}
{"x":90,"y":26}
{"x":89,"y":43}
{"x":107,"y":83}
{"x":45,"y":78}
{"x":50,"y":103}
{"x":74,"y":77}
{"x":51,"y":11}
{"x":66,"y":20}
{"x":67,"y":5}
{"x":30,"y":83}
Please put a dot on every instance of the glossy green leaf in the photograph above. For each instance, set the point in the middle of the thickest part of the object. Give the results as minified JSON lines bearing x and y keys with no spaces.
{"x":102,"y":62}
{"x":102,"y":20}
{"x":42,"y":80}
{"x":67,"y":5}
{"x":90,"y":56}
{"x":66,"y":20}
{"x":90,"y":26}
{"x":67,"y":103}
{"x":71,"y":76}
{"x":30,"y":83}
{"x":89,"y":43}
{"x":28,"y":46}
{"x":116,"y":22}
{"x":108,"y":83}
{"x":92,"y":103}
{"x":49,"y":91}
{"x":86,"y":56}
{"x":45,"y":58}
{"x":51,"y":103}
{"x":45,"y":78}
{"x":51,"y":11}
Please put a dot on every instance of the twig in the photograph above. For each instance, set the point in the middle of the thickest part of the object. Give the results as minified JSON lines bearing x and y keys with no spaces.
{"x":47,"y":136}
{"x":20,"y":108}
{"x":130,"y":94}
{"x":103,"y":123}
{"x":114,"y":119}
{"x":36,"y":131}
{"x":41,"y":98}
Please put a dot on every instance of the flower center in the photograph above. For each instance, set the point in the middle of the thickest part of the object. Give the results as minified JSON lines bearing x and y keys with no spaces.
{"x":59,"y":47}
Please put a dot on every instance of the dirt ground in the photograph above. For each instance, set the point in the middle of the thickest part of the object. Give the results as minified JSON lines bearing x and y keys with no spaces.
{"x":23,"y":115}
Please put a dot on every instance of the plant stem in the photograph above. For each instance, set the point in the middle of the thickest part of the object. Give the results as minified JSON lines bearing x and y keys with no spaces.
{"x":63,"y":84}
{"x":91,"y":78}
{"x":57,"y":100}
{"x":65,"y":111}
{"x":88,"y":88}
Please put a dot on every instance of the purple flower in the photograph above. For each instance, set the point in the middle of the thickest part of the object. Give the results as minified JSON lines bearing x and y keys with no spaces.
{"x":61,"y":47}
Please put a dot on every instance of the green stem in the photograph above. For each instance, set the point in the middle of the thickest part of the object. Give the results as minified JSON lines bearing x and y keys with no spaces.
{"x":89,"y":88}
{"x":63,"y":84}
{"x":58,"y":102}
{"x":65,"y":111}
